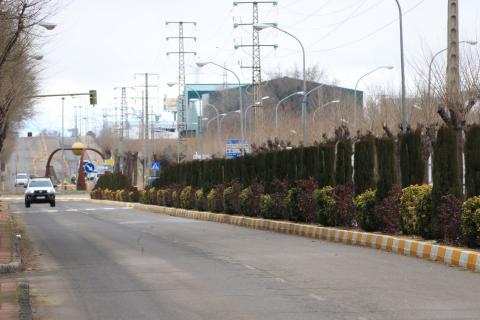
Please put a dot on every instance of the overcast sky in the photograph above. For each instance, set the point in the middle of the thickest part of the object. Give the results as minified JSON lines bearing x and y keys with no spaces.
{"x":101,"y":44}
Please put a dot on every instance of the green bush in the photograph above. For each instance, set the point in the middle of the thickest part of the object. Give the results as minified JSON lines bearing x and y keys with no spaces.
{"x":133,"y":196}
{"x":416,"y":210}
{"x":472,"y":161}
{"x":266,"y":206}
{"x":343,"y":163}
{"x":200,"y":201}
{"x":326,"y":210}
{"x":365,"y":211}
{"x":228,"y":201}
{"x":152,"y":196}
{"x":471,"y":222}
{"x":211,"y":197}
{"x":364,"y":164}
{"x":187,"y":198}
{"x":291,"y":203}
{"x":412,"y":164}
{"x":386,"y":166}
{"x":445,"y":174}
{"x":115,"y":181}
{"x":245,"y":200}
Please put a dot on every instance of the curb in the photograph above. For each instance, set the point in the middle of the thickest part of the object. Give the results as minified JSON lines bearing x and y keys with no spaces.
{"x":452,"y":256}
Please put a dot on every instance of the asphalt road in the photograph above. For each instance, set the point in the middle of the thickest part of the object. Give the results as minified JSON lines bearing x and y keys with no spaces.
{"x":105,"y":262}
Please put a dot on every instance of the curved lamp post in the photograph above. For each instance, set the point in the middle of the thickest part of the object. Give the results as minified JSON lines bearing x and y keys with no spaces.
{"x":355,"y":94}
{"x":278,"y":104}
{"x":201,"y":64}
{"x":323,"y":106}
{"x":261,"y":26}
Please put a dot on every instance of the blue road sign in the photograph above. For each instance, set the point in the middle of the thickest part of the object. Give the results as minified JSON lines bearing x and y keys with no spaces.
{"x":89,"y":167}
{"x":155,"y":166}
{"x":235,"y":148}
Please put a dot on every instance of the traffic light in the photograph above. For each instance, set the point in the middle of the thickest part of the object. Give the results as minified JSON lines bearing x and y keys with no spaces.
{"x":93,"y":97}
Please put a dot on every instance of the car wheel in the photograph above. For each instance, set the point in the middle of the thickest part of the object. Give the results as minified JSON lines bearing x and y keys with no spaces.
{"x":52,"y":203}
{"x":27,"y":204}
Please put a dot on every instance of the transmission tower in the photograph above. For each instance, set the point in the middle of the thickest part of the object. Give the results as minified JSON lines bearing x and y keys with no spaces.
{"x":256,"y":58}
{"x":181,"y":106}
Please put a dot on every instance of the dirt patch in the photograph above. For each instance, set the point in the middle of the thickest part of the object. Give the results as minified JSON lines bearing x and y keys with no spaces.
{"x":28,"y":252}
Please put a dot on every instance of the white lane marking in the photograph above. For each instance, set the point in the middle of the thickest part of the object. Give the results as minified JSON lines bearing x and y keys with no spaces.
{"x":50,"y":211}
{"x":248,"y":267}
{"x":90,"y":209}
{"x":314,"y":296}
{"x":108,"y":208}
{"x":72,"y":210}
{"x":135,"y":222}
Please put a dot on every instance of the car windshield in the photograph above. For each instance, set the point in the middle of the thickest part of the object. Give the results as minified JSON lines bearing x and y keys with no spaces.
{"x":40,"y":183}
{"x":22,"y":176}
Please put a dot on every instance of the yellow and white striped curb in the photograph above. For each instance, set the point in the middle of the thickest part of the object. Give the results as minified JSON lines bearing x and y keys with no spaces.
{"x":449,"y":255}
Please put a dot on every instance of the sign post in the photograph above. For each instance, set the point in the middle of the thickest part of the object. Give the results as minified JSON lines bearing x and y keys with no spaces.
{"x":155,"y":166}
{"x":235,"y":148}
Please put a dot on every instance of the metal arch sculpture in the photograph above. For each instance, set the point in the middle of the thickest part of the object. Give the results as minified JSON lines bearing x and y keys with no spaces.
{"x":81,"y":173}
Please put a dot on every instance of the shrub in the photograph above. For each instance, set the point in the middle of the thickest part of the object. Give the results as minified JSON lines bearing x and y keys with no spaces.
{"x":471,"y":222}
{"x":266,"y":206}
{"x":215,"y":199}
{"x":344,"y":208}
{"x":326,"y":210}
{"x":115,"y":181}
{"x":343,"y":162}
{"x":386,"y":166}
{"x":472,"y":161}
{"x":412,"y":164}
{"x":152,"y":196}
{"x":416,"y":210}
{"x":365,"y":211}
{"x":307,"y":208}
{"x":450,"y":216}
{"x":133,"y":196}
{"x":280,"y":189}
{"x":200,"y":200}
{"x":291,"y":201}
{"x":445,"y":173}
{"x":364,"y":164}
{"x":187,"y":198}
{"x":245,"y":201}
{"x":326,"y":158}
{"x":230,"y":198}
{"x":143,"y":196}
{"x":388,"y":211}
{"x":175,"y":199}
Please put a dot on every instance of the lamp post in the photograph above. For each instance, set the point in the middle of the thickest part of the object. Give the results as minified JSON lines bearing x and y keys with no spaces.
{"x":472,"y":43}
{"x":278,"y":104}
{"x":201,"y":64}
{"x":250,"y":106}
{"x":261,"y":26}
{"x":355,"y":94}
{"x":402,"y":66}
{"x":323,"y":106}
{"x":224,"y":115}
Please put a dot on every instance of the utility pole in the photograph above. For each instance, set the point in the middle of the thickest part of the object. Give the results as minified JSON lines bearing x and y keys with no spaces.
{"x":146,"y":122}
{"x":453,"y":69}
{"x":182,"y":120}
{"x":256,"y":59}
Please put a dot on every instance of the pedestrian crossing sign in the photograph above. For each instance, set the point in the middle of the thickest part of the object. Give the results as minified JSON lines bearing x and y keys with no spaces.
{"x":155,"y":166}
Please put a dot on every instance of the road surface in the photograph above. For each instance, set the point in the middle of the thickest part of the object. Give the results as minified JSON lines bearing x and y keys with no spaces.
{"x":104,"y":262}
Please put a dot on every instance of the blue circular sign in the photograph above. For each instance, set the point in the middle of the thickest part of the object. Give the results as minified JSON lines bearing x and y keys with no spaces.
{"x":89,"y":167}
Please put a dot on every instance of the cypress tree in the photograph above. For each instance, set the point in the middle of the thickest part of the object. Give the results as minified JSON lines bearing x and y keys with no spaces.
{"x":386,"y":166}
{"x":343,"y":165}
{"x":412,"y":165}
{"x":364,"y":164}
{"x":445,"y":173}
{"x":299,"y":154}
{"x":472,"y":161}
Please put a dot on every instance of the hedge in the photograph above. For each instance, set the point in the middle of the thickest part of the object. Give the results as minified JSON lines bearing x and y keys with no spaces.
{"x":364,"y":164}
{"x":472,"y":161}
{"x":411,"y":160}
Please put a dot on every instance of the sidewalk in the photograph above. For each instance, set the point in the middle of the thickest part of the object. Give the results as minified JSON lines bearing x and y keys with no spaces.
{"x":9,"y":308}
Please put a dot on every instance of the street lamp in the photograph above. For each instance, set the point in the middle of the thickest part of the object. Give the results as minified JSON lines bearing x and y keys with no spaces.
{"x":323,"y":106}
{"x":201,"y":64}
{"x":402,"y":65}
{"x":355,"y":93}
{"x":261,"y":26}
{"x":279,"y":103}
{"x":250,"y":106}
{"x":472,"y":43}
{"x":224,"y":115}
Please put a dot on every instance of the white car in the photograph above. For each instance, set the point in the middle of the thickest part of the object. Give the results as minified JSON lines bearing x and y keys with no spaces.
{"x":21,"y":179}
{"x":40,"y":190}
